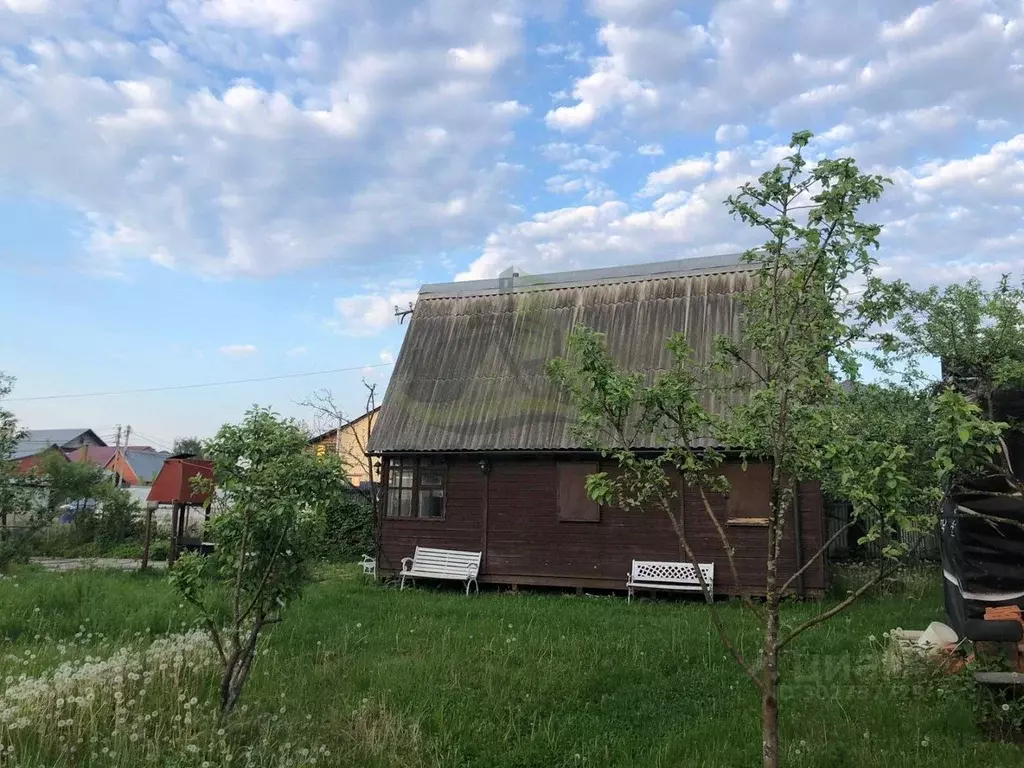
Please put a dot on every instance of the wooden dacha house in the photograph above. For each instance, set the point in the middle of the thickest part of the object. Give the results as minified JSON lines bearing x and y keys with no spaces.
{"x":477,"y":449}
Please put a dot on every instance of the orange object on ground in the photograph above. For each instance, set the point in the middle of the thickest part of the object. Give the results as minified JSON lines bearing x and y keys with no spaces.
{"x":1004,"y":613}
{"x":1009,"y":613}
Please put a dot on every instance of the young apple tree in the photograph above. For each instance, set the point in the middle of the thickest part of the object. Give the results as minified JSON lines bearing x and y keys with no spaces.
{"x":813,"y":304}
{"x":977,"y":334}
{"x":271,"y":491}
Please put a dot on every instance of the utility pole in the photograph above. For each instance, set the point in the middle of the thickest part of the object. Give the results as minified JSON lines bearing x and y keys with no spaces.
{"x":117,"y":451}
{"x":124,"y":454}
{"x":337,"y":435}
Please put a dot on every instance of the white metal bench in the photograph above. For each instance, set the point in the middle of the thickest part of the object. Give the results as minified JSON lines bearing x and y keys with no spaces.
{"x":657,"y":574}
{"x":452,"y":564}
{"x":369,"y":566}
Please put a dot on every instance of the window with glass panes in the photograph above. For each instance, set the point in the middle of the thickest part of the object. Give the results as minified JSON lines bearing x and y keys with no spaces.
{"x":415,"y":488}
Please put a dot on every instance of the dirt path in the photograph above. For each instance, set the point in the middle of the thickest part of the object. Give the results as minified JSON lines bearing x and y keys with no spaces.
{"x":78,"y":563}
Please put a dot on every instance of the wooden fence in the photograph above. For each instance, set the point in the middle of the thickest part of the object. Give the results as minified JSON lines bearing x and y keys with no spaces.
{"x":922,"y":546}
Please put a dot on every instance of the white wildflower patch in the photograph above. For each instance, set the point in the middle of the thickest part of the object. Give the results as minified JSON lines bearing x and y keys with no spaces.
{"x":98,"y":699}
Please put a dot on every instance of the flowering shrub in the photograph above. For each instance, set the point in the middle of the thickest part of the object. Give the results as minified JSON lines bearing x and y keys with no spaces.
{"x":143,"y":704}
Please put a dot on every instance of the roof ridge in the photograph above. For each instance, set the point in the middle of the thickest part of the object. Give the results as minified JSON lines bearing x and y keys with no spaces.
{"x":570,"y":286}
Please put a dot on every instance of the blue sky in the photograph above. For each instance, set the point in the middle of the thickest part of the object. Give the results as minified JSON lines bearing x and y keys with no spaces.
{"x":210,"y":190}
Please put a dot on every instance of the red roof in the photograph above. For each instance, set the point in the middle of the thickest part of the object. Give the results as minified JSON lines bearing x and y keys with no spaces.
{"x":100,"y":455}
{"x":174,"y":483}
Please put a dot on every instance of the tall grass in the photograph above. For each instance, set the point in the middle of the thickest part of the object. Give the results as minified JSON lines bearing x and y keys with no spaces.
{"x":367,"y":676}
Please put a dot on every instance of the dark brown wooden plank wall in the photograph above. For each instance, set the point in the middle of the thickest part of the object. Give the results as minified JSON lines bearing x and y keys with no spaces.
{"x":527,"y":543}
{"x":461,"y":528}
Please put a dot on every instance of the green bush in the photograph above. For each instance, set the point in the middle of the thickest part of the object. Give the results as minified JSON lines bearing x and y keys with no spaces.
{"x":348,"y":528}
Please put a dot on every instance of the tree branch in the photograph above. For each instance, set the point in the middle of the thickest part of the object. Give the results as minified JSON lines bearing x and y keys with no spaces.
{"x":730,"y":557}
{"x":826,"y":615}
{"x":716,"y":620}
{"x":824,"y":548}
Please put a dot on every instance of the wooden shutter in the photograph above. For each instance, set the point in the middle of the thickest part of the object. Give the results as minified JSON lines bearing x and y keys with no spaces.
{"x":573,"y":503}
{"x":749,"y":500}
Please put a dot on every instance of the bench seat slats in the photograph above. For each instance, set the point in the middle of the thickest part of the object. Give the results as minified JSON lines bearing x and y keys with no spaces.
{"x":668,"y":575}
{"x":430,"y":563}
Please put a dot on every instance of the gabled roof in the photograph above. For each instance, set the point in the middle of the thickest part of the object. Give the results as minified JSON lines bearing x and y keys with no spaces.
{"x":101,"y":455}
{"x":62,"y":437}
{"x":471,"y":375}
{"x":145,"y":464}
{"x":30,"y":447}
{"x":331,"y":432}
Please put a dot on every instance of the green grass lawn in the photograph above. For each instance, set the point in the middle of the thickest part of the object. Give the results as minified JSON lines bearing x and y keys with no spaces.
{"x":369,"y":676}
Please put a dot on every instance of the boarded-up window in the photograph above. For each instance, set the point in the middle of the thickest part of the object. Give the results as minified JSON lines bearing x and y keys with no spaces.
{"x":749,"y":501}
{"x":573,"y":503}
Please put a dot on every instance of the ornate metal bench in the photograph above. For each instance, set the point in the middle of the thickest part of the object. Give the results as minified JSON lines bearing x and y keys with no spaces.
{"x":680,"y":577}
{"x":451,"y":564}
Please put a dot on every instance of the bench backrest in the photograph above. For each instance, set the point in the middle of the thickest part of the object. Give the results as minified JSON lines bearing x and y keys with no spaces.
{"x":446,"y":561}
{"x":672,"y":573}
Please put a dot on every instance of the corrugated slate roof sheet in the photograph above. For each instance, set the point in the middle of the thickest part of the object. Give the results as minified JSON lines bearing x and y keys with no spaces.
{"x":471,"y":375}
{"x":30,"y":447}
{"x":59,"y":436}
{"x":145,"y":464}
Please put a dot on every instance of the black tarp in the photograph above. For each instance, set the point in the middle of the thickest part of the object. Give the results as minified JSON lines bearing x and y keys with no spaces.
{"x":983,"y":560}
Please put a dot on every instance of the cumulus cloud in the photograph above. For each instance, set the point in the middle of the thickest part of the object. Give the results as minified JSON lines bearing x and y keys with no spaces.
{"x":943,"y":219}
{"x":368,"y":314}
{"x":238,"y":350}
{"x":730,"y":134}
{"x":257,"y":136}
{"x":298,"y":351}
{"x":751,"y":61}
{"x":650,"y":149}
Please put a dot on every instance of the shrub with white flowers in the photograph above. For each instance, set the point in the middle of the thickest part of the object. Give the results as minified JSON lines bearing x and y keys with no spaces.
{"x":267,"y":533}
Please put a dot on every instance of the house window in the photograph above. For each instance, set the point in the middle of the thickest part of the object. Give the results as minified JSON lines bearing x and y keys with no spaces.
{"x":416,"y":488}
{"x":573,"y":503}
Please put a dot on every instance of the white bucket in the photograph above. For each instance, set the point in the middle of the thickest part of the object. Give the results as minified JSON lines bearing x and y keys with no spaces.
{"x":937,"y":636}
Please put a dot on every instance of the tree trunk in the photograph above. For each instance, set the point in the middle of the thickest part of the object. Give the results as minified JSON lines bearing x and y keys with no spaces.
{"x":770,"y":694}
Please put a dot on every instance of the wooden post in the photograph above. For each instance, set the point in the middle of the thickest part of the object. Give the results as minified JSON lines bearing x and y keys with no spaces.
{"x":487,"y":493}
{"x":148,"y":534}
{"x":172,"y":555}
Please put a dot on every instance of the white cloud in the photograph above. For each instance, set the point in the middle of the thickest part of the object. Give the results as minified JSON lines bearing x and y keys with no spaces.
{"x":793,"y":64}
{"x":274,"y":16}
{"x":650,"y":149}
{"x":943,"y":219}
{"x":568,"y":51}
{"x":686,"y":170}
{"x":387,"y":356}
{"x":238,"y":350}
{"x":730,"y":134}
{"x":510,"y":108}
{"x":25,"y":6}
{"x":298,"y":351}
{"x":258,"y":136}
{"x":369,"y":314}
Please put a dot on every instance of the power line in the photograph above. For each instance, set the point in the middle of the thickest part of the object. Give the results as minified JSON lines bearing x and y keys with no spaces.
{"x":194,"y":386}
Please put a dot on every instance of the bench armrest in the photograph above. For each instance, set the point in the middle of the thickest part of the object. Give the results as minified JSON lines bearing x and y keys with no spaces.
{"x":406,"y":564}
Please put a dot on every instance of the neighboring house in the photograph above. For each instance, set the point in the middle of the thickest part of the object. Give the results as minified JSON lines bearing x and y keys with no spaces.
{"x":101,"y":456}
{"x":30,"y":451}
{"x":29,"y":455}
{"x":349,"y":441}
{"x":478,"y":450}
{"x":136,"y":467}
